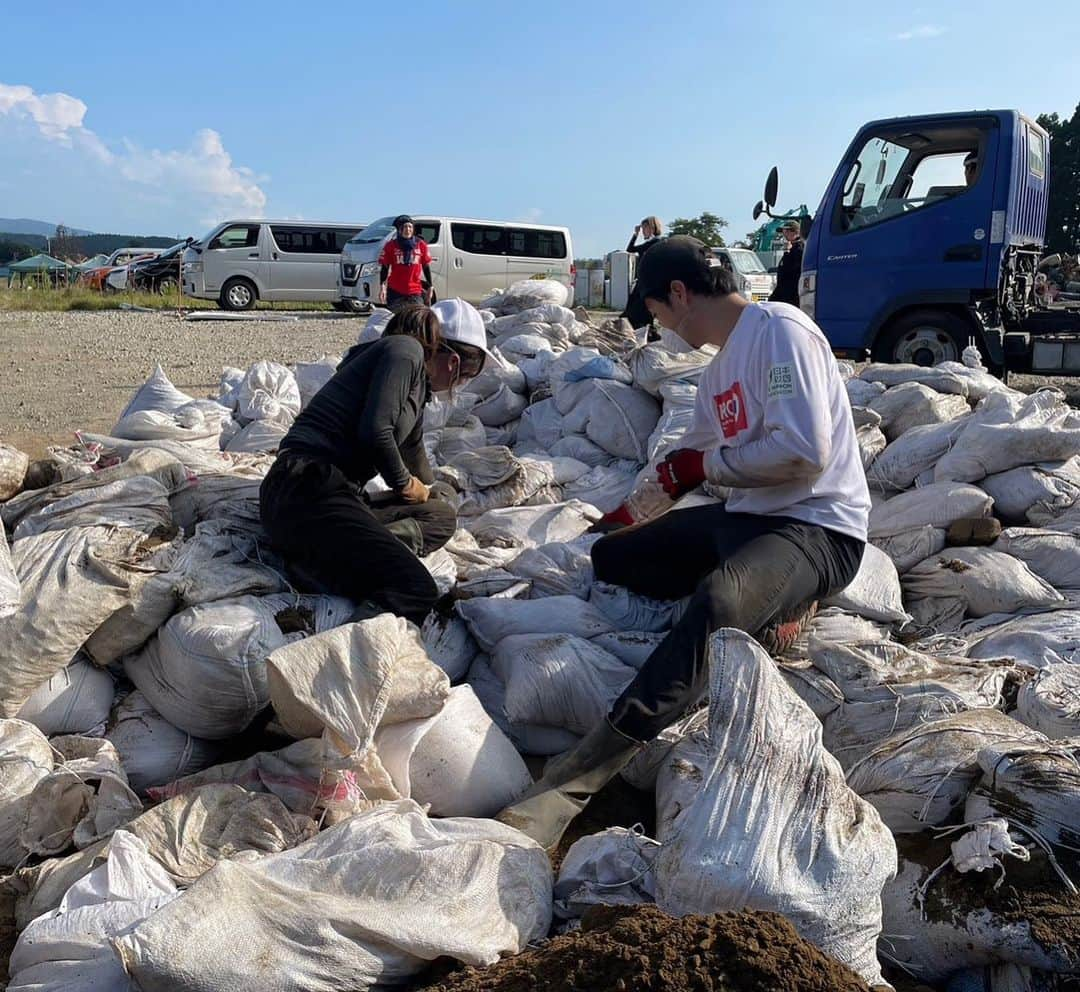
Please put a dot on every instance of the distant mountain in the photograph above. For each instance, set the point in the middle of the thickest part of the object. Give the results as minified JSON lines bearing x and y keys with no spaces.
{"x":14,"y":246}
{"x":23,"y":225}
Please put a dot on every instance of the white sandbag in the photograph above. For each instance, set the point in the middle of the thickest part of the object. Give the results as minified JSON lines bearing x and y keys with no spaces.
{"x":494,"y":376}
{"x":920,"y":777}
{"x":76,"y":700}
{"x":581,"y":448}
{"x":516,"y":348}
{"x":268,"y":391}
{"x":312,"y":376}
{"x":980,"y":383}
{"x":488,"y":466}
{"x":70,"y":947}
{"x":938,"y":505}
{"x":259,"y":435}
{"x":1054,"y":556}
{"x":1035,"y":786}
{"x":457,"y":762}
{"x":611,"y":868}
{"x":10,"y":588}
{"x":861,"y":393}
{"x":526,"y":293}
{"x":911,"y":454}
{"x":988,"y":581}
{"x":1036,"y":493}
{"x":541,"y":421}
{"x":615,"y":416}
{"x":532,"y":484}
{"x":934,"y":615}
{"x":139,"y":503}
{"x":492,"y":620}
{"x":502,"y":407}
{"x":13,"y":466}
{"x":555,"y":570}
{"x":543,"y":313}
{"x":630,"y":611}
{"x":228,"y":384}
{"x":605,"y":487}
{"x":1050,"y":701}
{"x":558,"y":680}
{"x":874,"y":593}
{"x":1044,"y":429}
{"x":191,"y":427}
{"x":774,"y":826}
{"x":1038,"y":641}
{"x":938,"y":379}
{"x":871,"y":444}
{"x":157,"y":393}
{"x":914,"y":405}
{"x":25,"y":759}
{"x":453,"y":440}
{"x":656,"y":363}
{"x":373,"y":899}
{"x":153,"y":751}
{"x":449,"y":645}
{"x":72,"y":581}
{"x":644,"y":767}
{"x":205,"y":672}
{"x":532,"y":526}
{"x":907,"y":549}
{"x":349,"y":679}
{"x":888,"y":688}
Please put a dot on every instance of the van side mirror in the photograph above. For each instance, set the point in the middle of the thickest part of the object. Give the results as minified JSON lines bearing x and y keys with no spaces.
{"x":772,"y":185}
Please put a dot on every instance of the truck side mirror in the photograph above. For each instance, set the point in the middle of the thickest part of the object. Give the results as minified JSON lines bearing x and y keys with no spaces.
{"x":772,"y":187}
{"x":758,"y":208}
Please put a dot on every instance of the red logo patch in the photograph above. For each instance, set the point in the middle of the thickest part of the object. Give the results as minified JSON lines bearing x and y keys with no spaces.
{"x":731,"y":407}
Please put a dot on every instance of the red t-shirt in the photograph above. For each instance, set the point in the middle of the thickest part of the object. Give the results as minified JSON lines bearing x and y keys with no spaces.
{"x":405,"y":279}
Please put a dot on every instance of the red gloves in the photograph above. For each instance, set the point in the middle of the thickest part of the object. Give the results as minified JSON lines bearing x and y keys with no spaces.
{"x":681,"y":471}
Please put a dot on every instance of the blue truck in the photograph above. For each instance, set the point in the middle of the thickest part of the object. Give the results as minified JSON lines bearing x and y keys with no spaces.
{"x":929,"y":237}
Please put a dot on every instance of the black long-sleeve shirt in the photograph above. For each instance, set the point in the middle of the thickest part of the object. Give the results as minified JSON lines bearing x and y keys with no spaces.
{"x":639,"y":249}
{"x":369,"y":418}
{"x":787,"y":275}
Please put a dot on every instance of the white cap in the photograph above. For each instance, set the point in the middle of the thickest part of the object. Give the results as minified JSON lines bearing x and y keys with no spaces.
{"x":461,"y":322}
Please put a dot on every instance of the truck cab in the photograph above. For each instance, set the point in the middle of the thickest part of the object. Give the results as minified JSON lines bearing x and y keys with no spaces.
{"x":929,"y":236}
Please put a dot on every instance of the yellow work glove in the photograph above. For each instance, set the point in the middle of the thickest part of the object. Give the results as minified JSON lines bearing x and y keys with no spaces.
{"x":415,"y":491}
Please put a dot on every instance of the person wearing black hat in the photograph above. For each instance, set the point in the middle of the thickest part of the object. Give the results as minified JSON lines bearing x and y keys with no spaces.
{"x":790,"y":268}
{"x":773,"y":425}
{"x":404,"y":267}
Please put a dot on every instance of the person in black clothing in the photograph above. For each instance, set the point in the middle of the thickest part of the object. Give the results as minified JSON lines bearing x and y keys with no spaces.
{"x":790,"y":267}
{"x":651,"y":230}
{"x":368,"y":420}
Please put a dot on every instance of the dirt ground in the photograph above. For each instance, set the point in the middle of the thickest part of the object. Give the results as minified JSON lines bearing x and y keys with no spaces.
{"x":61,"y":372}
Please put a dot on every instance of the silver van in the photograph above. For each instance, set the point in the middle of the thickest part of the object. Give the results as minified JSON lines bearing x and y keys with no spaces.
{"x":242,"y":261}
{"x":469,"y":258}
{"x":755,"y":282}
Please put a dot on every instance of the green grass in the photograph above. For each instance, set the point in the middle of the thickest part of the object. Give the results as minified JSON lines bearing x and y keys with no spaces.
{"x":45,"y":299}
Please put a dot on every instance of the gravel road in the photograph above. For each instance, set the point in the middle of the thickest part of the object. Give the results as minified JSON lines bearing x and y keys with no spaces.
{"x":60,"y":372}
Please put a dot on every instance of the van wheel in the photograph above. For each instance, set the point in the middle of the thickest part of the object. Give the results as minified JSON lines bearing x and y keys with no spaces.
{"x":167,"y":285}
{"x":925,"y":337}
{"x":238,"y":294}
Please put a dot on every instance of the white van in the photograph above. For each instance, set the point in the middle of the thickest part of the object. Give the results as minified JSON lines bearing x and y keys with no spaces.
{"x":242,"y":261}
{"x":755,"y":282}
{"x":469,"y":258}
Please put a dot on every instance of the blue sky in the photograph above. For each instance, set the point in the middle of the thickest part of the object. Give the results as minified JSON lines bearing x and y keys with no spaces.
{"x":163,"y":118}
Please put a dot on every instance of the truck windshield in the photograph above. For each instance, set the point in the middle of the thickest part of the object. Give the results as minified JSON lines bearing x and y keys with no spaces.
{"x":375,"y":232}
{"x":747,"y":263}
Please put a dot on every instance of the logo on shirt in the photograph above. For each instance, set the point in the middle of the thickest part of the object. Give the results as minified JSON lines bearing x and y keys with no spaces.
{"x":781,"y":381}
{"x":731,"y":408}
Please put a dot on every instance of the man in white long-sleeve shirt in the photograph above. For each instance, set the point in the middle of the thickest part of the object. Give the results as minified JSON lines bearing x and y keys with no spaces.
{"x":773,"y":424}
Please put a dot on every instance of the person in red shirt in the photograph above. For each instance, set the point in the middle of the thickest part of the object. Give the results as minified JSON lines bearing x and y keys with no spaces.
{"x":404,"y":268}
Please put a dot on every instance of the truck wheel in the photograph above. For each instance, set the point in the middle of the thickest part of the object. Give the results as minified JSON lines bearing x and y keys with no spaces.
{"x":924,"y":337}
{"x":238,"y":294}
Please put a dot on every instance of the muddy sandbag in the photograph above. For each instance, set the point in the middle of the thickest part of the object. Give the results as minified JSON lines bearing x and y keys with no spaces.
{"x":1035,"y":493}
{"x":13,"y":466}
{"x":76,"y":700}
{"x":449,"y":645}
{"x":1038,"y":641}
{"x":874,"y":593}
{"x":913,"y":404}
{"x":871,"y":444}
{"x":1054,"y":556}
{"x":72,"y":582}
{"x":774,"y":825}
{"x":371,"y":900}
{"x":938,"y":379}
{"x":988,"y":581}
{"x":897,"y":467}
{"x":555,"y":570}
{"x":939,"y":505}
{"x":643,"y":769}
{"x":1050,"y":701}
{"x":907,"y":549}
{"x":10,"y":588}
{"x":920,"y":777}
{"x":25,"y":759}
{"x":935,"y":927}
{"x":153,"y":751}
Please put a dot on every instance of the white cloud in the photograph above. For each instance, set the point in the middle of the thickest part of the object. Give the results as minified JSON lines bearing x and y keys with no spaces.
{"x":531,"y":216}
{"x":920,"y":32}
{"x":202,"y":178}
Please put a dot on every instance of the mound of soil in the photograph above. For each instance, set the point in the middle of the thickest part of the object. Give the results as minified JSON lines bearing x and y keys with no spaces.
{"x":641,"y":949}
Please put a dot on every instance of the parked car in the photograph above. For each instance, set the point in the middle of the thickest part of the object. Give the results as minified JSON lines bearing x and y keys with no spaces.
{"x":469,"y":258}
{"x":755,"y":281}
{"x":156,"y":275}
{"x":242,"y":261}
{"x":121,"y":258}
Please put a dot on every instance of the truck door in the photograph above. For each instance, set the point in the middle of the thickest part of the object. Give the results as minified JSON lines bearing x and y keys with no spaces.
{"x":905,"y":227}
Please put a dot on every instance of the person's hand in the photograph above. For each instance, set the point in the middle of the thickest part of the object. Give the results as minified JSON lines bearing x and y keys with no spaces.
{"x":415,"y":491}
{"x":382,"y":293}
{"x":637,"y":230}
{"x":427,"y":296}
{"x":681,"y":471}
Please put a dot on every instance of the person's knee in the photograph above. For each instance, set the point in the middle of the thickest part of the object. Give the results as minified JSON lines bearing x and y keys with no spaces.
{"x":438,"y":524}
{"x":723,"y":599}
{"x":607,"y":561}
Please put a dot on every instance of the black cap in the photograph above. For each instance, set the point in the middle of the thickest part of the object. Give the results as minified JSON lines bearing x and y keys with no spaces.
{"x":678,"y":257}
{"x":401,"y":219}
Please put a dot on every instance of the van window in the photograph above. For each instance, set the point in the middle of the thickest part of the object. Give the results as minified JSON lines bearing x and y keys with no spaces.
{"x":747,"y":262}
{"x":305,"y":240}
{"x":1036,"y":153}
{"x":428,"y":231}
{"x":237,"y":236}
{"x":531,"y":243}
{"x":479,"y":239}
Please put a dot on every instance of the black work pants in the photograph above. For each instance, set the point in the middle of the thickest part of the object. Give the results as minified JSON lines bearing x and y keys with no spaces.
{"x":320,"y":521}
{"x":396,"y":301}
{"x":740,"y":570}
